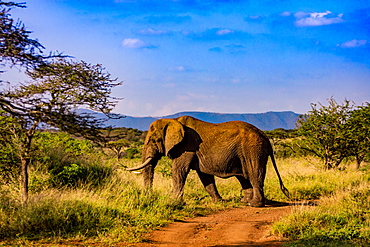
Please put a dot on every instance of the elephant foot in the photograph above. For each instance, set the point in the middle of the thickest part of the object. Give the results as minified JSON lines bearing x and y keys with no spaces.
{"x":247,"y":195}
{"x":246,"y":199}
{"x":257,"y":204}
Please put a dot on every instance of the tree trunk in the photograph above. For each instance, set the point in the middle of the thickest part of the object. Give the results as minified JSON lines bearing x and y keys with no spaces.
{"x":26,"y":160}
{"x":24,"y":178}
{"x":359,"y":160}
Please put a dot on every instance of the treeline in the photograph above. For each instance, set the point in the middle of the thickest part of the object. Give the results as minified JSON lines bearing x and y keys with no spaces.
{"x":333,"y":133}
{"x":124,"y":142}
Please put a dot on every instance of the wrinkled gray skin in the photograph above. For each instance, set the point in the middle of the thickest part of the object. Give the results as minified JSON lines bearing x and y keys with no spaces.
{"x":224,"y":150}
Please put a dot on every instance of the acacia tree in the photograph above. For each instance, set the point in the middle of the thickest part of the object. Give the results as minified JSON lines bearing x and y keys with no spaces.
{"x":325,"y":131}
{"x":51,"y":98}
{"x":57,"y":87}
{"x":359,"y":132}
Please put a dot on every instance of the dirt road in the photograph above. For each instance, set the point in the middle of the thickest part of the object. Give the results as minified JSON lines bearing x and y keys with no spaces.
{"x":245,"y":226}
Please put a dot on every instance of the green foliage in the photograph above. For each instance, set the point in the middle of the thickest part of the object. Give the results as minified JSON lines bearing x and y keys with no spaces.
{"x":330,"y":132}
{"x":9,"y":159}
{"x":132,"y":153}
{"x":16,"y":46}
{"x":67,"y":161}
{"x":58,"y":87}
{"x":282,"y":142}
{"x":49,"y":141}
{"x":124,"y":142}
{"x":70,"y":175}
{"x":279,"y":134}
{"x":118,"y":211}
{"x":359,"y":133}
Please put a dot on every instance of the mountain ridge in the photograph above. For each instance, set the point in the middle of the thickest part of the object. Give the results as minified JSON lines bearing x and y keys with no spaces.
{"x":265,"y":121}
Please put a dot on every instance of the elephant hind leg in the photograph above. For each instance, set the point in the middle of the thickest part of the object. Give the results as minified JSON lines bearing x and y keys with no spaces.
{"x":259,"y":200}
{"x":257,"y":173}
{"x":247,"y":189}
{"x":209,"y":184}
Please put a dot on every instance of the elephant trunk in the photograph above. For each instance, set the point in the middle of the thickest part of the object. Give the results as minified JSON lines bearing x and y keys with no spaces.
{"x":148,"y":171}
{"x":148,"y":174}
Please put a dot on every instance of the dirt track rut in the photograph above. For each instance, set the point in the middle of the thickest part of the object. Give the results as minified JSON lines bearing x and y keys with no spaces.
{"x":245,"y":226}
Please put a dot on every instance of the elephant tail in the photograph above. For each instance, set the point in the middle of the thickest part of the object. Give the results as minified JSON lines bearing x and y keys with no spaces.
{"x":282,"y":187}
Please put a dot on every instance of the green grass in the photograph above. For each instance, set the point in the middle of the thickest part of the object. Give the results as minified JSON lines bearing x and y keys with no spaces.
{"x":342,"y":214}
{"x":306,"y":182}
{"x":342,"y":219}
{"x":119,"y":209}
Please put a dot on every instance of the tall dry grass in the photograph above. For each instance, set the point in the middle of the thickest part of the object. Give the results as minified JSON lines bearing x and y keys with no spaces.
{"x":120,"y":209}
{"x":342,"y":214}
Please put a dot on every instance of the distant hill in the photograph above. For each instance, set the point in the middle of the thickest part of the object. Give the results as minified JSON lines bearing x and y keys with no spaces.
{"x":264,"y":121}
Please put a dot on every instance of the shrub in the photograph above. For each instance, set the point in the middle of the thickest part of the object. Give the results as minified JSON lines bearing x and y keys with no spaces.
{"x":66,"y":161}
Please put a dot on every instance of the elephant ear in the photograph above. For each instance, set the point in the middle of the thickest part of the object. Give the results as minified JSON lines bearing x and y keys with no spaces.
{"x":175,"y":133}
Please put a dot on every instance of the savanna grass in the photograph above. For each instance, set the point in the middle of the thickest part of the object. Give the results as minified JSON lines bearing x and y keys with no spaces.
{"x":120,"y":209}
{"x":342,"y":217}
{"x":306,"y":182}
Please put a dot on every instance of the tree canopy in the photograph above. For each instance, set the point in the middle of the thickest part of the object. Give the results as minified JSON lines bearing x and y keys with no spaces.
{"x":58,"y":86}
{"x":16,"y":47}
{"x":56,"y":90}
{"x":336,"y":131}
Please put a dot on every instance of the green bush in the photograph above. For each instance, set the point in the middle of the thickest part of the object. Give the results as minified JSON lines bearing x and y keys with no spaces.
{"x":70,"y":175}
{"x":65,"y":161}
{"x":132,"y":153}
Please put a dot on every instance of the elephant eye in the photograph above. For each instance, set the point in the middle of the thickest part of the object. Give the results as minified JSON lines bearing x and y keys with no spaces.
{"x":154,"y":139}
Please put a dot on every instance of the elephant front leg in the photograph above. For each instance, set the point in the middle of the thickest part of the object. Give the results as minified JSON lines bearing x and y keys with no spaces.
{"x":180,"y":172}
{"x":148,"y":173}
{"x":209,"y":184}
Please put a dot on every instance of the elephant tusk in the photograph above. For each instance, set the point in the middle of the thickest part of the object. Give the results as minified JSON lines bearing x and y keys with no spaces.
{"x":140,"y":166}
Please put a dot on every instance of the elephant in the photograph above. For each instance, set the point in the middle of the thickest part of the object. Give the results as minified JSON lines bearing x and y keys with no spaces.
{"x":234,"y":148}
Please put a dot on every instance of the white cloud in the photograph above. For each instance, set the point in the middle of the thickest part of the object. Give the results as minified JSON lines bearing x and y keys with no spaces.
{"x":151,"y":31}
{"x":135,"y":43}
{"x":286,"y":13}
{"x":180,"y":68}
{"x":353,"y":43}
{"x":224,"y":31}
{"x":305,"y":19}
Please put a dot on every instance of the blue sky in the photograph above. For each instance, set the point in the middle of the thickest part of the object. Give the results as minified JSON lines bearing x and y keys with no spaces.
{"x":214,"y":55}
